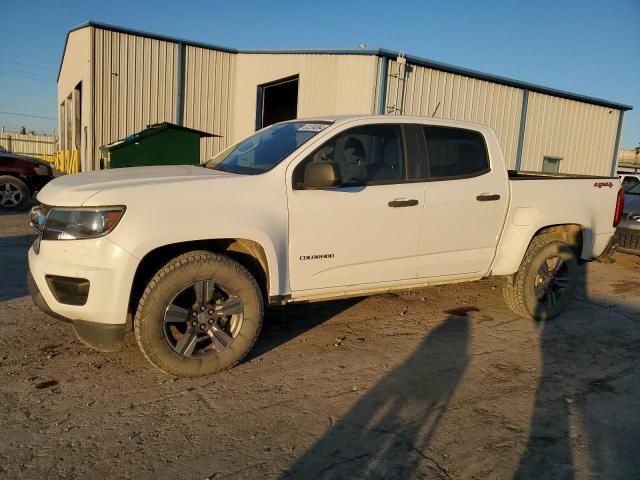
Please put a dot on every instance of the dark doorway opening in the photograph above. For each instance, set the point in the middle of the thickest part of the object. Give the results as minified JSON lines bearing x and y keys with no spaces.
{"x":277,"y":102}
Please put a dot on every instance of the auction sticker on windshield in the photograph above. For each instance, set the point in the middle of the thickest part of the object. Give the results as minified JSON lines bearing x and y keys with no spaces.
{"x":313,"y":127}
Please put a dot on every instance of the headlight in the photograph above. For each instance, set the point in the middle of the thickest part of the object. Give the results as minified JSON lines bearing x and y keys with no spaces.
{"x":80,"y":223}
{"x":634,"y":217}
{"x":38,"y":217}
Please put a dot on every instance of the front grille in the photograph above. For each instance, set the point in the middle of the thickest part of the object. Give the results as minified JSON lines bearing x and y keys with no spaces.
{"x":628,"y":239}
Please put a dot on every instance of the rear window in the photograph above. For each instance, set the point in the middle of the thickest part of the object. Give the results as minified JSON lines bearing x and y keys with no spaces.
{"x":455,"y":153}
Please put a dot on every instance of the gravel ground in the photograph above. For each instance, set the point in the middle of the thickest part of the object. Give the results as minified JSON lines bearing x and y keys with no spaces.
{"x":441,"y":382}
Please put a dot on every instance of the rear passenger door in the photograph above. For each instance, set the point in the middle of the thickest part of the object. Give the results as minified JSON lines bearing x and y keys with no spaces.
{"x":367,"y":230}
{"x":465,"y":203}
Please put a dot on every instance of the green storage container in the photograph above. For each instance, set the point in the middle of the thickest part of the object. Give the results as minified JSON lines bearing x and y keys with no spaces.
{"x":158,"y":144}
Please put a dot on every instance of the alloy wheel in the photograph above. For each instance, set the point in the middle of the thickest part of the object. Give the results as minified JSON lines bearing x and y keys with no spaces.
{"x":10,"y":195}
{"x":203,"y":319}
{"x":551,"y":281}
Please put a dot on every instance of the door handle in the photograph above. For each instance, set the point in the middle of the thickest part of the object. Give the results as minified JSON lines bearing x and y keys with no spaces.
{"x":487,"y":197}
{"x":401,"y":202}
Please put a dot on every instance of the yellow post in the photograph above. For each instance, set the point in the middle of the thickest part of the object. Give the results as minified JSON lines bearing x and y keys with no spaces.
{"x":59,"y":160}
{"x":74,"y":162}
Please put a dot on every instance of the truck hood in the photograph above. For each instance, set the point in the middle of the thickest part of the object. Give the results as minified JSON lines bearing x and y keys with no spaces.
{"x":74,"y":190}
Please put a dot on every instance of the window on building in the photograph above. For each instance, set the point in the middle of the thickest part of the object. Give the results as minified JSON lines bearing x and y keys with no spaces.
{"x":455,"y":153}
{"x":551,"y":164}
{"x":364,"y":156}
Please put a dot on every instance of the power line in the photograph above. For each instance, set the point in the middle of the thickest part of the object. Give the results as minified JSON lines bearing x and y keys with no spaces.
{"x":28,"y":65}
{"x":16,"y":114}
{"x":40,"y":79}
{"x":47,"y":76}
{"x":24,"y":107}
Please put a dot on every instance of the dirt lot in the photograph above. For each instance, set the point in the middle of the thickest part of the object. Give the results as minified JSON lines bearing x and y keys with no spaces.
{"x":436,"y":383}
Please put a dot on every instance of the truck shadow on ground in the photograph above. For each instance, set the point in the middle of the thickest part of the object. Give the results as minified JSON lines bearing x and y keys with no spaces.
{"x":583,"y":410}
{"x":14,"y":266}
{"x":283,"y":324}
{"x":386,"y":434}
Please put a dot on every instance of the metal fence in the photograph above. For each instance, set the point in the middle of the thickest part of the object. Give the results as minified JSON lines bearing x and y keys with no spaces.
{"x":39,"y":146}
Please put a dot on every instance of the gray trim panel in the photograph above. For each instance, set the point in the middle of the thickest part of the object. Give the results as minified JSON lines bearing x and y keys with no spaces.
{"x":523,"y":126}
{"x":180,"y":77}
{"x":382,"y":86}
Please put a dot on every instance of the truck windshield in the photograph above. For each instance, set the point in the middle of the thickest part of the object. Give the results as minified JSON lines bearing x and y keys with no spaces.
{"x":266,"y":148}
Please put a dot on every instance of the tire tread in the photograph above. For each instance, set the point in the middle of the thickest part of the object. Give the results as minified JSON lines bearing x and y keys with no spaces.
{"x":513,"y":289}
{"x":192,"y":258}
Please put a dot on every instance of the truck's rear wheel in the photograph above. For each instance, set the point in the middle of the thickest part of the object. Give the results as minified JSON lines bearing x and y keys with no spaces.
{"x":546,"y":282}
{"x":200,"y":314}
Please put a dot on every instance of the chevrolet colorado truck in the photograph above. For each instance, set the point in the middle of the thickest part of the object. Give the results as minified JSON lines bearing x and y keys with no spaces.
{"x":306,"y":210}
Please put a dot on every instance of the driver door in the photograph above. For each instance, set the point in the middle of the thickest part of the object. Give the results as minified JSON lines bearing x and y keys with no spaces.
{"x":367,"y":230}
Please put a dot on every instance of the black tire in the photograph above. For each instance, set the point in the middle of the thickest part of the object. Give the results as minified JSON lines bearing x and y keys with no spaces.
{"x":14,"y":193}
{"x":172,"y":284}
{"x":522,"y":291}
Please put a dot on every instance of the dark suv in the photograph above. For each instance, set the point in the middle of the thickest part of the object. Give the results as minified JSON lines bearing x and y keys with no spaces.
{"x":20,"y":178}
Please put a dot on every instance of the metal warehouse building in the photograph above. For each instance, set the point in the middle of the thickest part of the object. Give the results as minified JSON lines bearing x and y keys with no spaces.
{"x":114,"y":82}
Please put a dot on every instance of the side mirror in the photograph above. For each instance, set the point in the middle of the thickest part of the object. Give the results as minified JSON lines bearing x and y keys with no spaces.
{"x":319,"y":175}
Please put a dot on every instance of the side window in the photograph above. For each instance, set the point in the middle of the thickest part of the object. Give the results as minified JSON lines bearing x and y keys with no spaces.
{"x":364,"y":156}
{"x":455,"y":153}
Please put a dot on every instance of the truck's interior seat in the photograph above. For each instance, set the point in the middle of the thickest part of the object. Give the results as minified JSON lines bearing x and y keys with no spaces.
{"x":389,"y":167}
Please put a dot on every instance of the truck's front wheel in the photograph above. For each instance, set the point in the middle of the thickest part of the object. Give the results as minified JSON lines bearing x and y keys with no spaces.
{"x":546,"y":281}
{"x":200,"y":314}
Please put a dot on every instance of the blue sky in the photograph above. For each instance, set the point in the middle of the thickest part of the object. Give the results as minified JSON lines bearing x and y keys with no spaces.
{"x":586,"y":46}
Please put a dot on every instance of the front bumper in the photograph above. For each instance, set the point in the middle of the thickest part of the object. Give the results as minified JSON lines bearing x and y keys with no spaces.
{"x":99,"y":336}
{"x":109,"y":270}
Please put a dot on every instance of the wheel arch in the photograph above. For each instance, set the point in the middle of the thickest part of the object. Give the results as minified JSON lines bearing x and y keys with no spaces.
{"x":570,"y":233}
{"x":508,"y":260}
{"x":248,"y":253}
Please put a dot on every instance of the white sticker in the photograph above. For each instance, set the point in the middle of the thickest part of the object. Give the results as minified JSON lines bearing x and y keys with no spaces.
{"x":313,"y":127}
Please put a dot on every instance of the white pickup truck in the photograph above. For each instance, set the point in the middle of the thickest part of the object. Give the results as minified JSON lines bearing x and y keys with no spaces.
{"x":306,"y":210}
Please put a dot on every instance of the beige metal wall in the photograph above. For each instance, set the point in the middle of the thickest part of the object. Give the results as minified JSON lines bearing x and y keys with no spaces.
{"x":329,"y":84}
{"x":583,"y":135}
{"x":133,"y":80}
{"x":76,"y":71}
{"x":208,"y":93}
{"x":135,"y":84}
{"x":417,"y":90}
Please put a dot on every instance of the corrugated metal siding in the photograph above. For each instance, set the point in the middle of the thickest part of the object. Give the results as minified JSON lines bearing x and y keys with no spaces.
{"x":208,"y":95}
{"x":457,"y":97}
{"x":134,"y":84}
{"x":28,"y":144}
{"x":583,"y":135}
{"x":329,"y":84}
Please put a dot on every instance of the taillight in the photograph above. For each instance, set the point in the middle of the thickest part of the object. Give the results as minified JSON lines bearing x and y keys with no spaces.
{"x":619,"y":208}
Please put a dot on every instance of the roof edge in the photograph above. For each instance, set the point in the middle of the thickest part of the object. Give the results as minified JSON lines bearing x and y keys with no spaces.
{"x":380,"y":52}
{"x":505,"y":80}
